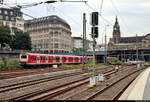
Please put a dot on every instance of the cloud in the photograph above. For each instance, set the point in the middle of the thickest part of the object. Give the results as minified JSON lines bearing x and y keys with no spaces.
{"x":145,"y":4}
{"x":133,"y":15}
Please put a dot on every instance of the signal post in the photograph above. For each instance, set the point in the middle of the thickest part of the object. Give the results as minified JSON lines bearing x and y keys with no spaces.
{"x":94,"y":31}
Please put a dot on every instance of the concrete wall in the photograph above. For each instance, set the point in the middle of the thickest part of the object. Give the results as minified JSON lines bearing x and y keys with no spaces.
{"x":9,"y":56}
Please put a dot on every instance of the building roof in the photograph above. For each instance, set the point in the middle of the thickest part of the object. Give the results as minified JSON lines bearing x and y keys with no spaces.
{"x":53,"y":19}
{"x":131,"y":39}
{"x":76,"y":38}
{"x":125,"y":44}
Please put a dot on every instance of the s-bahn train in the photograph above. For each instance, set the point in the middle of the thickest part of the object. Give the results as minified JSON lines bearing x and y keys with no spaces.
{"x":32,"y":59}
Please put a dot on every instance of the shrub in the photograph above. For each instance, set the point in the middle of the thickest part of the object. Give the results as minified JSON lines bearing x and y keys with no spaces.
{"x":5,"y":64}
{"x":13,"y":64}
{"x":1,"y":65}
{"x":115,"y":61}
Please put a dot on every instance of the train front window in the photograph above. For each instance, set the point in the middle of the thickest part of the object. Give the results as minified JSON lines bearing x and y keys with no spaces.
{"x":23,"y":56}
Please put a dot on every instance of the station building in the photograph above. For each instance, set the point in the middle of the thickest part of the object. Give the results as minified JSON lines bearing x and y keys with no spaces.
{"x":49,"y":34}
{"x":127,"y":43}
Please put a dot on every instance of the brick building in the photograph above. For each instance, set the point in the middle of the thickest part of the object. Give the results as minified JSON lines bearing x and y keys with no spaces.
{"x":127,"y":43}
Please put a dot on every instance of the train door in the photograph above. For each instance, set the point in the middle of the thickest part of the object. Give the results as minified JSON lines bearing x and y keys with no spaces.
{"x":57,"y":59}
{"x":81,"y":59}
{"x":42,"y":59}
{"x":70,"y":59}
{"x":46,"y":59}
{"x":38,"y":59}
{"x":50,"y":59}
{"x":64,"y":59}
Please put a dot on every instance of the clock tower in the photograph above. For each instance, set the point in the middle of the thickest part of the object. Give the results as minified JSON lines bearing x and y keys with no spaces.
{"x":116,"y":32}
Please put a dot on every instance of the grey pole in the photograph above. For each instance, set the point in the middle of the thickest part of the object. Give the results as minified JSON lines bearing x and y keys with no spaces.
{"x":136,"y":49}
{"x":85,"y":45}
{"x":105,"y":49}
{"x":53,"y":42}
{"x":93,"y":52}
{"x":105,"y":46}
{"x":83,"y":49}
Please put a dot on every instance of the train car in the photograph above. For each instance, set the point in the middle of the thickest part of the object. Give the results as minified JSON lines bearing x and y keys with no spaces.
{"x":29,"y":59}
{"x":112,"y":60}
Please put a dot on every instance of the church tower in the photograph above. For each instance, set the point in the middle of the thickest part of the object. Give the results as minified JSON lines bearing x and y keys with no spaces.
{"x":116,"y":32}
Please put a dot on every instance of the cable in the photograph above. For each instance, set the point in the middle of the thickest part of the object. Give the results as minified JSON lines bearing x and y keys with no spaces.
{"x":99,"y":15}
{"x":22,"y":12}
{"x":119,"y":14}
{"x":101,"y":7}
{"x":67,"y":16}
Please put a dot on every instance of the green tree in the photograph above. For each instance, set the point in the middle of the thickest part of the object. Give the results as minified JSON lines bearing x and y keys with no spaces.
{"x":21,"y":41}
{"x":5,"y":36}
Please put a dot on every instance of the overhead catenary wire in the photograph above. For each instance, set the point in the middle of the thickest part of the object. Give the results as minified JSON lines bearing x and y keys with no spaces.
{"x":101,"y":6}
{"x":22,"y":12}
{"x":66,"y":15}
{"x":99,"y":14}
{"x":119,"y":14}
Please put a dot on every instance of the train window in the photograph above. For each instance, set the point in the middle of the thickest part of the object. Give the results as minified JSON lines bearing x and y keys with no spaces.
{"x":23,"y":56}
{"x":42,"y":58}
{"x":50,"y":58}
{"x":33,"y":58}
{"x":70,"y":58}
{"x":64,"y":58}
{"x":57,"y":58}
{"x":76,"y":58}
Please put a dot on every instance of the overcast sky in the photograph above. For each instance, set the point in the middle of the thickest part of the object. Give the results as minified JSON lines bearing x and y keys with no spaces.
{"x":133,"y":15}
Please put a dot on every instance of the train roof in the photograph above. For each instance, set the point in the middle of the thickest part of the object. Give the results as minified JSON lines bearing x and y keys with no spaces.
{"x":47,"y":54}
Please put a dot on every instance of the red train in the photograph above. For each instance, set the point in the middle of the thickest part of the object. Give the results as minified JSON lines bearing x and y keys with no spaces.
{"x":47,"y":59}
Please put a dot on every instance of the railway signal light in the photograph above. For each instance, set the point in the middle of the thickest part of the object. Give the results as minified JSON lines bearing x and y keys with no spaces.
{"x":94,"y":31}
{"x":94,"y":18}
{"x":50,"y":1}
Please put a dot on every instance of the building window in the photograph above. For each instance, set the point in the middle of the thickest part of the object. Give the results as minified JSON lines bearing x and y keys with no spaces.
{"x":7,"y":23}
{"x":11,"y":13}
{"x":1,"y":23}
{"x":14,"y":24}
{"x":12,"y":18}
{"x":7,"y":18}
{"x":56,"y":45}
{"x":5,"y":12}
{"x":1,"y":17}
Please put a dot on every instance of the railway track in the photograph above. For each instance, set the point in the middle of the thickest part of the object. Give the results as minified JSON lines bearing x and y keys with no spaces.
{"x":86,"y":93}
{"x":37,"y":81}
{"x":15,"y":74}
{"x":52,"y":92}
{"x":32,"y":82}
{"x":15,"y":86}
{"x":63,"y":89}
{"x":114,"y":90}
